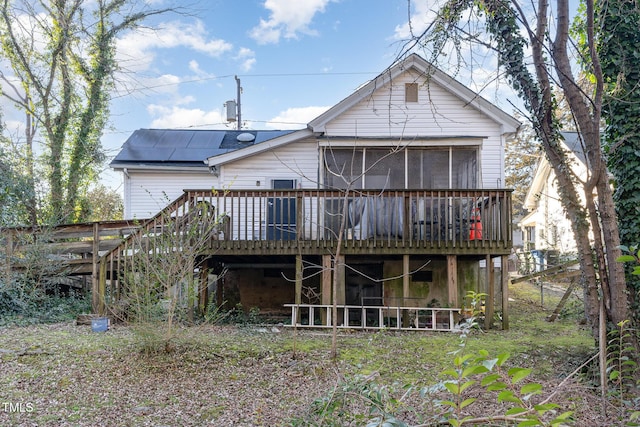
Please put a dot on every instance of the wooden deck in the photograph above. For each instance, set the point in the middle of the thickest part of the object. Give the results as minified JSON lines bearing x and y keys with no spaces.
{"x":251,"y":225}
{"x":74,"y":248}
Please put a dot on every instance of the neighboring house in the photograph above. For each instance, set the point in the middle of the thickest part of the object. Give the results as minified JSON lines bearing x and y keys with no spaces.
{"x":420,"y":159}
{"x":546,"y":230}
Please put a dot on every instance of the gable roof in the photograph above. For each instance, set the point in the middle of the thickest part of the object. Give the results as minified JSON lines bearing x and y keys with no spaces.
{"x":413,"y":61}
{"x":430,"y":73}
{"x":185,"y":147}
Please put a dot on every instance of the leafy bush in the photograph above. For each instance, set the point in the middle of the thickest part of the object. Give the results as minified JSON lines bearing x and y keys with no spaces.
{"x":239,"y":316}
{"x":160,"y":286}
{"x":32,"y":292}
{"x":361,"y":401}
{"x":22,"y":305}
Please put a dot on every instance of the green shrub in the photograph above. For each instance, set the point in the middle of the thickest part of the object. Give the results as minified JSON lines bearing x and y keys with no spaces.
{"x":23,"y":305}
{"x":359,"y":400}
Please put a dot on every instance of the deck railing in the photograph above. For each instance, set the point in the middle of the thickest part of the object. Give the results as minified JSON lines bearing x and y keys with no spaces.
{"x":375,"y":317}
{"x":390,"y":217}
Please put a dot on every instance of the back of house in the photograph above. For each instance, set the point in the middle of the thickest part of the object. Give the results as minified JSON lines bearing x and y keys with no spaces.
{"x":419,"y":159}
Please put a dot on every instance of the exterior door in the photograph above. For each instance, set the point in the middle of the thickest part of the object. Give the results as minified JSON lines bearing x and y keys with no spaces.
{"x":281,"y":212}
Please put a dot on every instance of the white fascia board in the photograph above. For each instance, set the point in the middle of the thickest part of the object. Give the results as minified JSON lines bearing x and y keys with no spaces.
{"x":161,"y":168}
{"x":537,"y":184}
{"x":258,"y":148}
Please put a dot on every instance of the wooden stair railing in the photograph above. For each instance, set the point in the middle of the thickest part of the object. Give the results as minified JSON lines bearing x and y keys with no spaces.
{"x":114,"y":262}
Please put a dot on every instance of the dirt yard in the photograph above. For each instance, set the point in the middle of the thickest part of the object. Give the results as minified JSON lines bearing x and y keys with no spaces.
{"x":67,"y":375}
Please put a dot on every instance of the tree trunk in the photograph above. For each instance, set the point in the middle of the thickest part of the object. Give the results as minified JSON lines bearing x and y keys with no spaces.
{"x":587,"y":113}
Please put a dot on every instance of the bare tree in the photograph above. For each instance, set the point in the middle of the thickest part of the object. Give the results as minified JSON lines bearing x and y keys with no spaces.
{"x":161,"y":288}
{"x":62,"y":59}
{"x":587,"y":203}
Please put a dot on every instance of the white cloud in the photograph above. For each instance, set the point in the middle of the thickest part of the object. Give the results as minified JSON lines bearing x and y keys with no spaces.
{"x":287,"y":19}
{"x":137,"y":49}
{"x":199,"y":73}
{"x":166,"y":80}
{"x":295,"y":118}
{"x":422,"y":15}
{"x":179,"y":117}
{"x":247,"y":58}
{"x":193,"y":36}
{"x":195,"y":67}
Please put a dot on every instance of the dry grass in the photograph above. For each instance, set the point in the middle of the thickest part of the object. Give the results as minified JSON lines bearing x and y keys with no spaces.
{"x":250,"y":376}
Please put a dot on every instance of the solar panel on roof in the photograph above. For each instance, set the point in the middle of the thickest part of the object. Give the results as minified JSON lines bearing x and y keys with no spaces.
{"x":143,"y":138}
{"x":182,"y":146}
{"x":206,"y":139}
{"x":175,"y":139}
{"x":262,"y":135}
{"x":149,"y":154}
{"x":194,"y":154}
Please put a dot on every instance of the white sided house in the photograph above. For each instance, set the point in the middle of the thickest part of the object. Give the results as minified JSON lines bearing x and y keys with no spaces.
{"x":406,"y":175}
{"x":546,"y":230}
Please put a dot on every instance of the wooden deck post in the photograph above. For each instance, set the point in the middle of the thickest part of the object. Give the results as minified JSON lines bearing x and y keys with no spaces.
{"x":405,"y":289}
{"x":326,"y":285}
{"x":299,"y":267}
{"x":300,"y":226}
{"x":95,"y":266}
{"x":505,"y":293}
{"x":98,"y":295}
{"x":489,"y":308}
{"x":452,"y":279}
{"x":298,"y":296}
{"x":203,"y":295}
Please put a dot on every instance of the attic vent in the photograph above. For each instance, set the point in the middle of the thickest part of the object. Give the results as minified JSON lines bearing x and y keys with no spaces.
{"x":411,"y":92}
{"x":246,"y":137}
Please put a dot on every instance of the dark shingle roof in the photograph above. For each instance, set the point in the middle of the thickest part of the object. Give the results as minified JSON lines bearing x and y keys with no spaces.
{"x":185,"y":147}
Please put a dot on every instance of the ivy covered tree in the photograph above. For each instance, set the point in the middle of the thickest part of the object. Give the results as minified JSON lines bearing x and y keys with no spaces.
{"x":13,"y":191}
{"x":618,"y":49}
{"x":61,"y":55}
{"x":535,"y":56}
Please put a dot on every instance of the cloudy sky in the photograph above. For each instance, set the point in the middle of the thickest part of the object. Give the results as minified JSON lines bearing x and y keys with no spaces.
{"x":294,"y":59}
